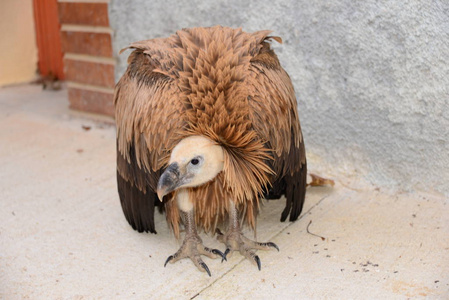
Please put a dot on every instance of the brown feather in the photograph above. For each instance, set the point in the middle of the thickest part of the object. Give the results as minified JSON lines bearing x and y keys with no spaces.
{"x":221,"y":83}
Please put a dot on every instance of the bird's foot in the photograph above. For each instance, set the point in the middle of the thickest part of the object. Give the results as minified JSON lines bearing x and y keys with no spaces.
{"x":235,"y":240}
{"x":193,"y":248}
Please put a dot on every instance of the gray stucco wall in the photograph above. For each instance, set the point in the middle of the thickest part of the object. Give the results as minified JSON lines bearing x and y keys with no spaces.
{"x":372,"y":78}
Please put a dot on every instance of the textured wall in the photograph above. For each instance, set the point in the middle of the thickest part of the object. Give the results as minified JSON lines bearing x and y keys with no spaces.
{"x":372,"y":78}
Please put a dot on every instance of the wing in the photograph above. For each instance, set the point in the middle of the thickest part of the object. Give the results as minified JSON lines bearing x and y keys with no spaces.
{"x":148,"y":116}
{"x":275,"y":117}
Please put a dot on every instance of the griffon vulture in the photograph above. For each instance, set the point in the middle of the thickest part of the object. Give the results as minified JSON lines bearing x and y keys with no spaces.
{"x":207,"y":122}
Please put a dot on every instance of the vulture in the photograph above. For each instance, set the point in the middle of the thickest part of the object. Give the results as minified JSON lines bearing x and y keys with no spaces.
{"x":207,"y":127}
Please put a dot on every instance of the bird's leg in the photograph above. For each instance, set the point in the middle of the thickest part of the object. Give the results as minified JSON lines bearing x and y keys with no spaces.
{"x":192,"y":246}
{"x":235,"y":240}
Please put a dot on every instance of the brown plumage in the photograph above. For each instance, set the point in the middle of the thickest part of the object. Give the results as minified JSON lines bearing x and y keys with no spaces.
{"x":223,"y":84}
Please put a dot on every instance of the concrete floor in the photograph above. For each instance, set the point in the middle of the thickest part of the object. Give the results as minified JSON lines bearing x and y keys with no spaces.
{"x":63,"y":234}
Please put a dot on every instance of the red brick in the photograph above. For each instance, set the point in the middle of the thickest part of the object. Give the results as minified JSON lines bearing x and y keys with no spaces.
{"x":98,"y":44}
{"x":91,"y":101}
{"x":92,"y":73}
{"x":95,"y":14}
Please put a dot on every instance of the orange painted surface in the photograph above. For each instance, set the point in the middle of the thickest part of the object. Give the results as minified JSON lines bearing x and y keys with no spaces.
{"x":48,"y":38}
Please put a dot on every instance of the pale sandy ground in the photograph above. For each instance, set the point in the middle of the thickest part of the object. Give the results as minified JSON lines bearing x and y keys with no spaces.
{"x":63,"y":234}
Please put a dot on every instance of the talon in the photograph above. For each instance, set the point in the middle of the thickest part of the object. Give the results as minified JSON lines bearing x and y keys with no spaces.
{"x":225,"y":254}
{"x":206,"y":268}
{"x":257,"y":259}
{"x":192,"y":247}
{"x":216,"y":251}
{"x":235,"y":241}
{"x":270,"y":244}
{"x":168,"y":259}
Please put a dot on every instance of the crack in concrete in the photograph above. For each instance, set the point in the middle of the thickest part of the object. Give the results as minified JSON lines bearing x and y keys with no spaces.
{"x":271,"y":238}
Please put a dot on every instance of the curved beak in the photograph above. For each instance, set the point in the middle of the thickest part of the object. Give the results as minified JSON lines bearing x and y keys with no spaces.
{"x":169,"y":181}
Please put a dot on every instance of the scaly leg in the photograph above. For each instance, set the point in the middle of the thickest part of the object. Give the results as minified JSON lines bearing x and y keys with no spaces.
{"x":192,"y":246}
{"x":235,"y":240}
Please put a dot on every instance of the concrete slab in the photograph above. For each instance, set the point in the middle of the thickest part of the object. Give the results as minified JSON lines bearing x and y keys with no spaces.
{"x":63,"y":234}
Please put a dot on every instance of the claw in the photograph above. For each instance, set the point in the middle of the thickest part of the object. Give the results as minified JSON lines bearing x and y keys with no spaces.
{"x":168,"y":259}
{"x":216,"y":251}
{"x":225,"y":253}
{"x":236,"y":241}
{"x":257,"y":259}
{"x":270,"y":244}
{"x":205,"y":267}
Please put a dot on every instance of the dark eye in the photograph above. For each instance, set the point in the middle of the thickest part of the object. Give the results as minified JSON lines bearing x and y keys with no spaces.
{"x":194,"y":161}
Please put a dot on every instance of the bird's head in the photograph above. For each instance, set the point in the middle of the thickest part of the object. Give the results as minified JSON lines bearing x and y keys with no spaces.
{"x":194,"y":161}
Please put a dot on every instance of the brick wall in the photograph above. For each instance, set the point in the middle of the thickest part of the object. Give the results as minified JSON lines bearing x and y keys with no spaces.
{"x":88,"y":60}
